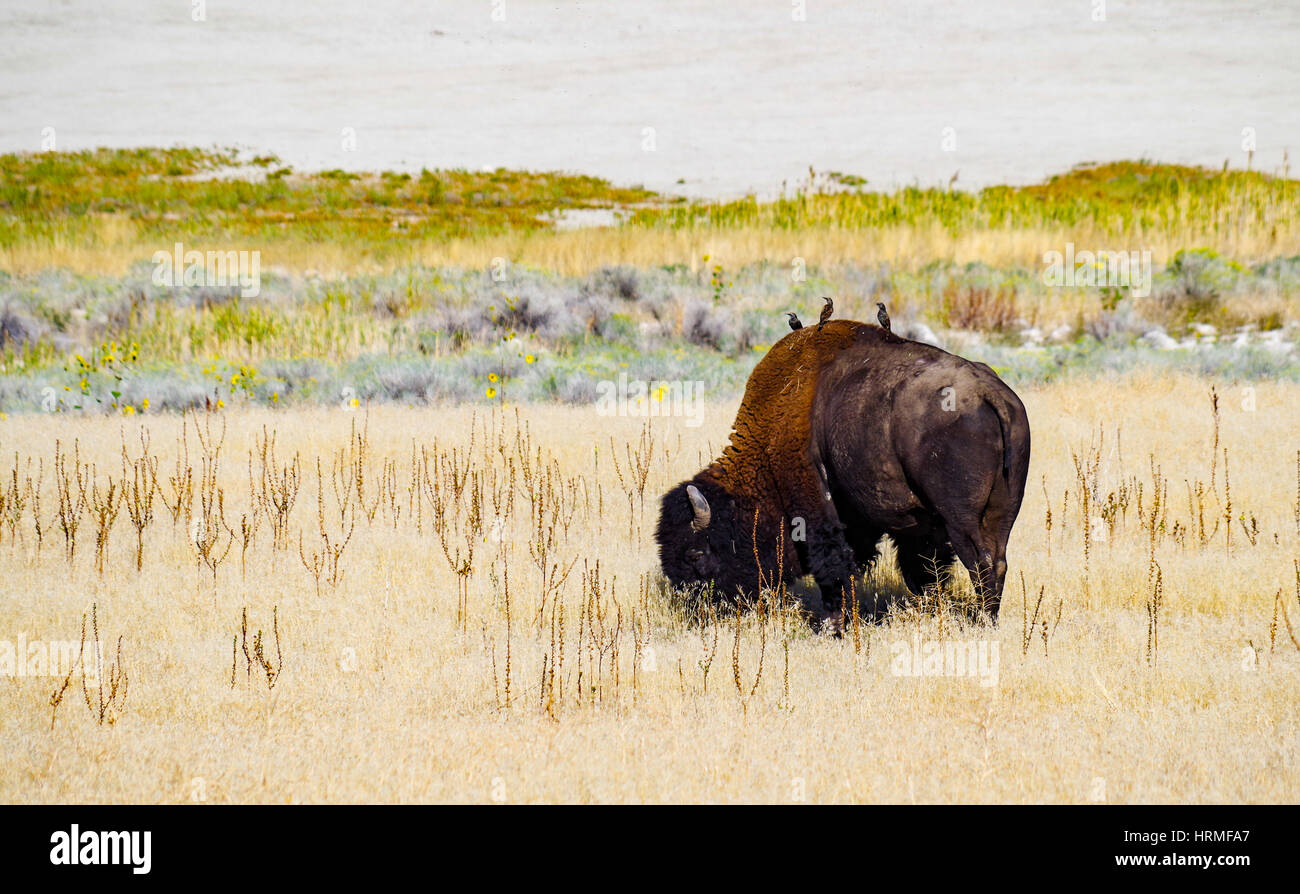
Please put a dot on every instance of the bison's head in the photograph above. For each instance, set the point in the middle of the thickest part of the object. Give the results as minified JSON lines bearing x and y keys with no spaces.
{"x":707,"y":536}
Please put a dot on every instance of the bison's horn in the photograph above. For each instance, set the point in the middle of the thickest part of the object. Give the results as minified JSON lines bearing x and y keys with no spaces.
{"x":703,"y":515}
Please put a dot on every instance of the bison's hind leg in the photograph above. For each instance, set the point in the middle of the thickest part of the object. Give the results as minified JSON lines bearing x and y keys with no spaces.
{"x":985,"y":560}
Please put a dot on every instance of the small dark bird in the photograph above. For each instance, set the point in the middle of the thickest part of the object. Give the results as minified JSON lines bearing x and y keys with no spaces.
{"x":883,"y":316}
{"x":794,"y":320}
{"x":826,"y":312}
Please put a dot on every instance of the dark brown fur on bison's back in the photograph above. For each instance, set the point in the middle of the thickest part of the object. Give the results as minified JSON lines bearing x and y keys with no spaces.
{"x":846,"y":433}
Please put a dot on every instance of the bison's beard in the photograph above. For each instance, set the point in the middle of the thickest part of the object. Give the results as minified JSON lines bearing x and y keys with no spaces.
{"x":734,"y":552}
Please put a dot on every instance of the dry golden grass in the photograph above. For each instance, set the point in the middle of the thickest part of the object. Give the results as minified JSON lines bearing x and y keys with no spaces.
{"x":912,"y":246}
{"x":118,"y":243}
{"x":555,"y":669}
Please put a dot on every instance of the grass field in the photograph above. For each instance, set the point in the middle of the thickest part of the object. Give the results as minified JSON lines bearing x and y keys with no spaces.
{"x":364,"y":535}
{"x":461,"y":604}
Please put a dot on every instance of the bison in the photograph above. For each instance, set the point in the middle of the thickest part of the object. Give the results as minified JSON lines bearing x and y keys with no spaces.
{"x":847,"y":432}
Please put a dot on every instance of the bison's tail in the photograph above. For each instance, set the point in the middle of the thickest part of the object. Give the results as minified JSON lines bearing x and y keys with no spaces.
{"x":1004,"y":421}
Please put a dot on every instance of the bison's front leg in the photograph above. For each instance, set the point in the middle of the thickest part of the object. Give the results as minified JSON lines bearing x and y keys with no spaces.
{"x":832,"y":563}
{"x":831,"y":559}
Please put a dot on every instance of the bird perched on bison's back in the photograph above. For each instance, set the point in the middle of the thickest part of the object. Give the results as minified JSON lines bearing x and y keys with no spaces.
{"x":883,"y":316}
{"x":794,"y":320}
{"x":826,"y":312}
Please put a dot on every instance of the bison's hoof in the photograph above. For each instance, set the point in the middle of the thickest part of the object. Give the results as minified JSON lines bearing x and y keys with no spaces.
{"x":834,"y":624}
{"x":982,"y":616}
